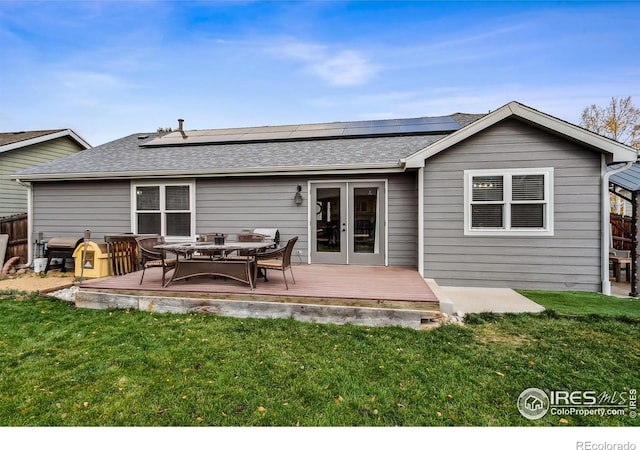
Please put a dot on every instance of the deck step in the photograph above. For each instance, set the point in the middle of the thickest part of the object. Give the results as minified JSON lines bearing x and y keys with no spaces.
{"x":305,"y":312}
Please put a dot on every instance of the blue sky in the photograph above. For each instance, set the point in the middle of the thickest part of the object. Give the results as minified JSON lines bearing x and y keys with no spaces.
{"x":110,"y":68}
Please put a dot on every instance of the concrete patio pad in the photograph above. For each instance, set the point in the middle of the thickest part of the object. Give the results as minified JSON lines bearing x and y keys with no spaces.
{"x":497,"y":300}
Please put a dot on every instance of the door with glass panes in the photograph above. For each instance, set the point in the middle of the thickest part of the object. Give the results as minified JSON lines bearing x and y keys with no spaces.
{"x":348,"y":223}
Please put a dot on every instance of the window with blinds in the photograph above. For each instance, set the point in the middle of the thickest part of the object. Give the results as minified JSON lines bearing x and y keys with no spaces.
{"x":164,"y":209}
{"x":527,"y":201}
{"x":516,"y":201}
{"x":487,"y":210}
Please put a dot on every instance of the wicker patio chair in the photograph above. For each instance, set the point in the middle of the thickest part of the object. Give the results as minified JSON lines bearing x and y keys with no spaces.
{"x":243,"y":254}
{"x":152,"y":257}
{"x":279,"y":259}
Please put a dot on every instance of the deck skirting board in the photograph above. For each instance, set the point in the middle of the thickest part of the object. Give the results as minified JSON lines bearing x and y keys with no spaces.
{"x":315,"y":313}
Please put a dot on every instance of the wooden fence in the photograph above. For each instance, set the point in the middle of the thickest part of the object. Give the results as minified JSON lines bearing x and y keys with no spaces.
{"x":17,"y":228}
{"x":621,"y":231}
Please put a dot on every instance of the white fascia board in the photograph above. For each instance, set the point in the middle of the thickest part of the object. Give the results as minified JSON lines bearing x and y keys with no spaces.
{"x":333,"y":170}
{"x":618,"y":151}
{"x":47,"y":137}
{"x":79,"y":139}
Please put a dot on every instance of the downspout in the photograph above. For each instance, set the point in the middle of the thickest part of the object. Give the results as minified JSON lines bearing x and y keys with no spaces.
{"x":421,"y":221}
{"x":605,"y":239}
{"x":29,"y":188}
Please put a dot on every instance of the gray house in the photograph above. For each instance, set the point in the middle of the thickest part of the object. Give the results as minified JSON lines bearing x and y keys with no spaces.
{"x":22,"y":149}
{"x":514,"y":198}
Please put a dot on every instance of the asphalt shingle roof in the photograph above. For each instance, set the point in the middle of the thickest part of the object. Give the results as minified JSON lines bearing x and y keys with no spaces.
{"x":19,"y":136}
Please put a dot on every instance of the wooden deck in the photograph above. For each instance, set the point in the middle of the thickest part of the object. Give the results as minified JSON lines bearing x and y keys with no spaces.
{"x":372,"y":296}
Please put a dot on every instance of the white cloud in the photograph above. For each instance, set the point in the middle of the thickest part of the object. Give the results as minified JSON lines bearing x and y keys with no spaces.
{"x":301,"y":51}
{"x":339,"y":68}
{"x":89,"y":80}
{"x":347,"y":68}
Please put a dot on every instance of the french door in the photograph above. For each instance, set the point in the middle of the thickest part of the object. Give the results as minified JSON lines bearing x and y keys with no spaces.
{"x":348,"y":222}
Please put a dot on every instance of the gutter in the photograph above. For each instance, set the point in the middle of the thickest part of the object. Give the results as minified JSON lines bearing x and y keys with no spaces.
{"x":605,"y":232}
{"x":29,"y":188}
{"x":235,"y":172}
{"x":421,"y":221}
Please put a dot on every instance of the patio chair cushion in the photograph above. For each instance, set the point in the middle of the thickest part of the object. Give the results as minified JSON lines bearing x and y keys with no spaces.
{"x":271,"y":263}
{"x":158,"y":263}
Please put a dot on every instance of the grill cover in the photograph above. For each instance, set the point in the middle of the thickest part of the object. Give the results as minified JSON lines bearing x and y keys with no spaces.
{"x":64,"y":243}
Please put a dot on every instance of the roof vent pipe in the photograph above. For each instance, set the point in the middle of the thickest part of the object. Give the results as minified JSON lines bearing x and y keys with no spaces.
{"x":180,"y":129}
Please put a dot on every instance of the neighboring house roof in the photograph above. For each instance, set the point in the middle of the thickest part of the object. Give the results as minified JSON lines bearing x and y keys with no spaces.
{"x":364,"y":146}
{"x":627,"y":179}
{"x":19,"y":139}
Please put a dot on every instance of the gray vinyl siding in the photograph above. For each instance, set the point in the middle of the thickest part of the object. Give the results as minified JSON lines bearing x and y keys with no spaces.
{"x":233,"y":204}
{"x":226,"y":205}
{"x":13,"y":197}
{"x":69,"y":208}
{"x":229,"y":205}
{"x":568,"y":260}
{"x":403,"y":220}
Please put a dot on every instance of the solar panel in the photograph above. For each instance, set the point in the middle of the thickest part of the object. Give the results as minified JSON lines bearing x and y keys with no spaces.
{"x":321,"y":126}
{"x":310,"y":134}
{"x":384,"y":123}
{"x":360,"y":124}
{"x":424,"y":125}
{"x":412,"y":128}
{"x":356,"y":131}
{"x":416,"y":121}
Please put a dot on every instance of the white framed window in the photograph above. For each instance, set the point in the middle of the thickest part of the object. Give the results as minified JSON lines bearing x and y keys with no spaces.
{"x":166,"y":208}
{"x":515,"y":202}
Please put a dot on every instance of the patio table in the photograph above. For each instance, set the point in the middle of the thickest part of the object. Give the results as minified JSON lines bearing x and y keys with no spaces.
{"x":242,"y":269}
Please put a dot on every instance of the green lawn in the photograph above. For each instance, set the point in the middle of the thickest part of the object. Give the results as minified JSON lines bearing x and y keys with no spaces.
{"x":63,"y":366}
{"x":585,"y":303}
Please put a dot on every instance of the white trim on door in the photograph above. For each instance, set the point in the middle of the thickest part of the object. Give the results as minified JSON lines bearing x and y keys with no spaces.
{"x":347,"y":181}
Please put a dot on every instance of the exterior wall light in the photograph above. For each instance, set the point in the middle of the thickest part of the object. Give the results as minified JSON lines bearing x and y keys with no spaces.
{"x":298,"y":197}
